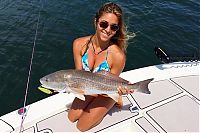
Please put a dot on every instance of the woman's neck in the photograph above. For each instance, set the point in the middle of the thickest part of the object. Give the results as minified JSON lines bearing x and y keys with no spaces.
{"x":99,"y":44}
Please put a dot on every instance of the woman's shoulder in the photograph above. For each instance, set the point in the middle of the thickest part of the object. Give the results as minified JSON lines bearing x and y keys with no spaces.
{"x":79,"y":44}
{"x":81,"y":41}
{"x":116,"y":51}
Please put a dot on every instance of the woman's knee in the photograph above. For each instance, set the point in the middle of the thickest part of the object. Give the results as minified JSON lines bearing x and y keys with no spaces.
{"x":89,"y":120}
{"x":84,"y":125}
{"x":73,"y":115}
{"x":78,"y":106}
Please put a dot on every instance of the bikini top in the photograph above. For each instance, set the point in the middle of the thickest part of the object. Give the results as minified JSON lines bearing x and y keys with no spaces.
{"x":103,"y":66}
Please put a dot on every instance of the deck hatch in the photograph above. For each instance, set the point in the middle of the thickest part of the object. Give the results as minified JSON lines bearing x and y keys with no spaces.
{"x":160,"y":91}
{"x":189,"y":83}
{"x":179,"y":115}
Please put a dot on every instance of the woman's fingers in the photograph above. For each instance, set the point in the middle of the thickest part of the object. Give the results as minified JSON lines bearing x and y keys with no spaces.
{"x":123,"y":91}
{"x":119,"y":90}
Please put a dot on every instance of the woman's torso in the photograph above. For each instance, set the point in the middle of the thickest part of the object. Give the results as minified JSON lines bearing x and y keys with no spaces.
{"x":94,"y":62}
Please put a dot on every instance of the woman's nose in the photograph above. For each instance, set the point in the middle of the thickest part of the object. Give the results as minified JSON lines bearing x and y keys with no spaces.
{"x":108,"y":30}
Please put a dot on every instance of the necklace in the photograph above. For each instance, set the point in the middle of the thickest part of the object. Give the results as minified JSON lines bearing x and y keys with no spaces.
{"x":99,"y":51}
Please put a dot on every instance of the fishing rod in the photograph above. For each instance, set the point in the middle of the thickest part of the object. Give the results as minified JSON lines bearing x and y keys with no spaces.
{"x":166,"y":58}
{"x":22,"y":111}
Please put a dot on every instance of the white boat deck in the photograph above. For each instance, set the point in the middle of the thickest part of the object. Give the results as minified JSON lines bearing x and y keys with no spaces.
{"x":172,"y":106}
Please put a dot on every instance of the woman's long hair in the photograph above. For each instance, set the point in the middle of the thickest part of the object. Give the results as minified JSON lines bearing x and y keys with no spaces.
{"x":120,"y":37}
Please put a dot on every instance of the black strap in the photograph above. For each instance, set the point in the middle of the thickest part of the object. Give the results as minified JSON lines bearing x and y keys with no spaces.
{"x":87,"y":44}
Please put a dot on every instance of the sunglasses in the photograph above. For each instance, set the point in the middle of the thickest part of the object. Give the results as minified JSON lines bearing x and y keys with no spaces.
{"x":105,"y":24}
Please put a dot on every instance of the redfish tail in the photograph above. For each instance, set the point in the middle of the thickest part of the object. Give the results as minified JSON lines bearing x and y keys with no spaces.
{"x":142,"y":86}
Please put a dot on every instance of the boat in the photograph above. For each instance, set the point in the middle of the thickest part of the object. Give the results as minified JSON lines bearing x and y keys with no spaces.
{"x":172,"y":106}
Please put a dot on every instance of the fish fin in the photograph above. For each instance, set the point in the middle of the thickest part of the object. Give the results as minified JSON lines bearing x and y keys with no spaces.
{"x":79,"y":96}
{"x":77,"y":90}
{"x":62,"y":91}
{"x":79,"y":93}
{"x":115,"y":96}
{"x":143,"y":86}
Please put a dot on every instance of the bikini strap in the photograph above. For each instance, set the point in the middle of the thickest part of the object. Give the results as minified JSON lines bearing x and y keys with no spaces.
{"x":87,"y":44}
{"x":107,"y":53}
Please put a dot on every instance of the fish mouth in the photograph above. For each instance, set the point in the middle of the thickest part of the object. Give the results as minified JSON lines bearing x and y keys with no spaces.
{"x":51,"y":87}
{"x":45,"y":86}
{"x":41,"y":81}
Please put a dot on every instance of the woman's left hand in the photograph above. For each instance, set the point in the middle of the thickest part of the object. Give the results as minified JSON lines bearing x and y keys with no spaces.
{"x":123,"y":91}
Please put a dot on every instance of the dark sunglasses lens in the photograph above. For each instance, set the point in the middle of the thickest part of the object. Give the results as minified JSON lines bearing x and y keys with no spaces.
{"x":114,"y":27}
{"x":103,"y":24}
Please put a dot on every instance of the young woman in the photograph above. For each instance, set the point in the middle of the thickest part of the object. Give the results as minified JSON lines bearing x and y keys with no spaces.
{"x":105,"y":50}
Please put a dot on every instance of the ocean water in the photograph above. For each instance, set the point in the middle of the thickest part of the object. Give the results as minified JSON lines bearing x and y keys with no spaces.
{"x":52,"y":25}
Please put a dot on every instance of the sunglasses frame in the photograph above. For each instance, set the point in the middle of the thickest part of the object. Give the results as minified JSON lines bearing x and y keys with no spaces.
{"x":104,"y":24}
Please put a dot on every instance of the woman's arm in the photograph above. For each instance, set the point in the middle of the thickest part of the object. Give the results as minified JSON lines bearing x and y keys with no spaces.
{"x":77,"y":54}
{"x":117,"y":60}
{"x":118,"y":63}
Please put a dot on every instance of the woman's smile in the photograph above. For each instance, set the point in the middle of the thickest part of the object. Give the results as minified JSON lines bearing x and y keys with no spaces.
{"x":106,"y":33}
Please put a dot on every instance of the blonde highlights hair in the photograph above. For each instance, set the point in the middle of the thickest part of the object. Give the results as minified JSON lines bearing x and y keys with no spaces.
{"x":120,"y":37}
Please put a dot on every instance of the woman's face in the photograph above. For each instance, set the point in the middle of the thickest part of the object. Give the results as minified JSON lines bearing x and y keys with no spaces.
{"x":107,"y":26}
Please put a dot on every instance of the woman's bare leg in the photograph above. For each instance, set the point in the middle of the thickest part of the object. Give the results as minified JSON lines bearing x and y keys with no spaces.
{"x":78,"y":106}
{"x":95,"y":112}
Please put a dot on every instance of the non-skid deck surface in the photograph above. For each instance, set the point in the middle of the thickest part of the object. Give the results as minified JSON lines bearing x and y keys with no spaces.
{"x":60,"y":123}
{"x":189,"y":84}
{"x":160,"y":91}
{"x":173,"y":106}
{"x":179,"y":111}
{"x":146,"y":125}
{"x":180,"y":115}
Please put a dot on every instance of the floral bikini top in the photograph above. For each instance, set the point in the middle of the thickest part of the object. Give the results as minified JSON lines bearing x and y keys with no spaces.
{"x":103,"y":66}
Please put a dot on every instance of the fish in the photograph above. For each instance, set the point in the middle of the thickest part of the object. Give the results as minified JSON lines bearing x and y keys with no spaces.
{"x":82,"y":83}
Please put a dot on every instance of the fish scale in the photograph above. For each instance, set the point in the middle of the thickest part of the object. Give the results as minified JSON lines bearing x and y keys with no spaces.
{"x":95,"y":85}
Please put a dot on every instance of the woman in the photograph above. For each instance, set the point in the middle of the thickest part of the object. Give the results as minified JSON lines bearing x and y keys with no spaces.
{"x":105,"y":50}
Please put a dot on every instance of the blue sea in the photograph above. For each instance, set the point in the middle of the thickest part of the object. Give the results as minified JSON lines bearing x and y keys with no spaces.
{"x":52,"y":25}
